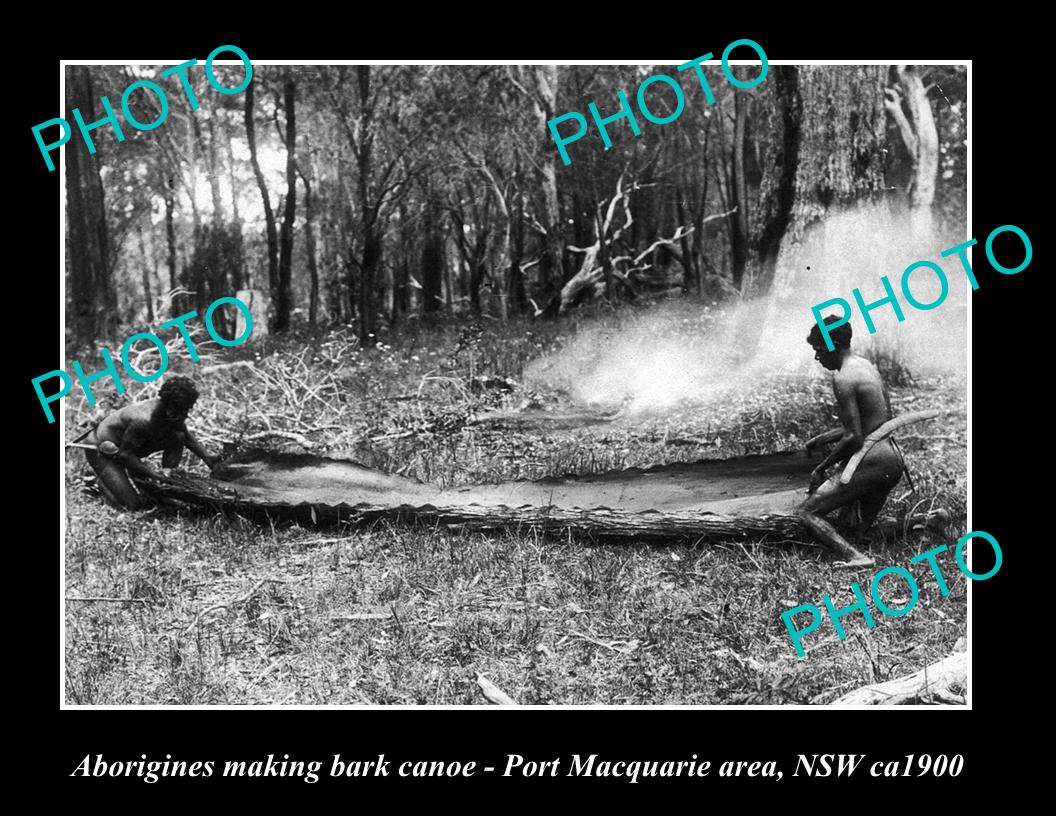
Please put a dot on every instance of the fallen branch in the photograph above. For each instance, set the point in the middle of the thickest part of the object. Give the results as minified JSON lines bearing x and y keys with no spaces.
{"x":493,"y":693}
{"x":944,"y":683}
{"x":99,"y":599}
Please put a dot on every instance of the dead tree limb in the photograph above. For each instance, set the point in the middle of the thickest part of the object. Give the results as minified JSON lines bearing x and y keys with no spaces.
{"x":943,"y":683}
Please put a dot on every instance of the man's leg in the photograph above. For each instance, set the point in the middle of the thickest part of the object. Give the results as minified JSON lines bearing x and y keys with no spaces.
{"x":812,"y":512}
{"x":114,"y":483}
{"x":878,"y":472}
{"x":870,"y":505}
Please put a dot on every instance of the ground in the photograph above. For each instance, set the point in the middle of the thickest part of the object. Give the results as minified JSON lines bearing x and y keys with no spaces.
{"x":225,"y":610}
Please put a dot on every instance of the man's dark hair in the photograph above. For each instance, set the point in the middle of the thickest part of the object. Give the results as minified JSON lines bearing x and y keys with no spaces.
{"x":841,"y":337}
{"x":179,"y":393}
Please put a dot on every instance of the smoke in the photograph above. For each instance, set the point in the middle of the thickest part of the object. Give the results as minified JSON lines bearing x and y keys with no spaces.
{"x":685,"y":352}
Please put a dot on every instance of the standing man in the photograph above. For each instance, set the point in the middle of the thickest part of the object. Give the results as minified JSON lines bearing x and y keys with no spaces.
{"x":863,"y":408}
{"x":138,"y":430}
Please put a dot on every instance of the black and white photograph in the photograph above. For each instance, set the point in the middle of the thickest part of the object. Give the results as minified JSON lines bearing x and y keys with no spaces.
{"x":538,"y":384}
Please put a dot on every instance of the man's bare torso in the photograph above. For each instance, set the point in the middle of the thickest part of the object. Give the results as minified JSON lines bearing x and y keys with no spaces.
{"x":863,"y":380}
{"x":136,"y":429}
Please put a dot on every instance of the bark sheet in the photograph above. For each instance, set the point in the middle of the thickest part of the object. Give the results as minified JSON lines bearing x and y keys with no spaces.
{"x":724,"y":498}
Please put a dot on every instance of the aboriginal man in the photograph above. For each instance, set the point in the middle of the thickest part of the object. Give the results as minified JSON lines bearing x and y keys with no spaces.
{"x":862,"y":406}
{"x":137,"y":430}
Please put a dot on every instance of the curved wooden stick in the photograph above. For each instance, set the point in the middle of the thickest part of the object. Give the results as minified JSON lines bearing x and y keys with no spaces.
{"x":883,"y":431}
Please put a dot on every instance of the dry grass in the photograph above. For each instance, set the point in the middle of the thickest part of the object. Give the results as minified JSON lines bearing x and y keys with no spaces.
{"x":231,"y":611}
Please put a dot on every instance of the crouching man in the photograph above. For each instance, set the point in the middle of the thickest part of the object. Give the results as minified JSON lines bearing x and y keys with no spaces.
{"x":863,"y":408}
{"x":138,"y":430}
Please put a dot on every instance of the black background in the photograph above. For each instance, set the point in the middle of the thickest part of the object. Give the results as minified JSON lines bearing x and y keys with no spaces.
{"x":1010,"y":368}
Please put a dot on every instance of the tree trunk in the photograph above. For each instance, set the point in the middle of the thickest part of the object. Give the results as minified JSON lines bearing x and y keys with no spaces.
{"x":309,"y":237}
{"x":907,"y":104}
{"x":400,"y":290}
{"x":826,"y":128}
{"x":687,"y":253}
{"x":368,"y":320}
{"x":518,"y":300}
{"x":146,"y":274}
{"x":739,"y":234}
{"x":432,"y":264}
{"x":214,"y":172}
{"x":94,"y":298}
{"x":478,"y":268}
{"x":237,"y":274}
{"x":544,"y":87}
{"x":402,"y":271}
{"x":368,"y":209}
{"x":269,"y":216}
{"x":700,"y":199}
{"x":192,"y":173}
{"x":552,"y":271}
{"x":170,"y":230}
{"x":281,"y":295}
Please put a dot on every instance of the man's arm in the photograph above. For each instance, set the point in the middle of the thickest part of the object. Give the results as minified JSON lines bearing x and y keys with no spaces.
{"x":195,"y":447}
{"x":131,"y":441}
{"x":826,"y":438}
{"x":851,"y":436}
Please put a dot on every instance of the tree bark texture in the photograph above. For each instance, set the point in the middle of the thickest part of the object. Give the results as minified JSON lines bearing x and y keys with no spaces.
{"x":92,"y":292}
{"x":910,"y":112}
{"x":826,"y":138}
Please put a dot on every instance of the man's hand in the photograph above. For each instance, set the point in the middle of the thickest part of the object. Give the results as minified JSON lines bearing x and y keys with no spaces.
{"x":161,"y":476}
{"x":817,"y":478}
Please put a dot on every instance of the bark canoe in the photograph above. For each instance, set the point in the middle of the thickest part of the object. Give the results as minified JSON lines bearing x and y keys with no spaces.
{"x":746,"y":497}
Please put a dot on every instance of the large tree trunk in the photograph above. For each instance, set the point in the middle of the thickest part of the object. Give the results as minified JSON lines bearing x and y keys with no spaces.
{"x":907,"y":104}
{"x":269,"y":216}
{"x":826,"y":128}
{"x":281,"y":296}
{"x":739,"y":200}
{"x":540,"y":84}
{"x":94,"y":298}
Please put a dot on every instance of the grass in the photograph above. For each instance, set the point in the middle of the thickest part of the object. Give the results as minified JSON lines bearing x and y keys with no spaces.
{"x":225,"y":610}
